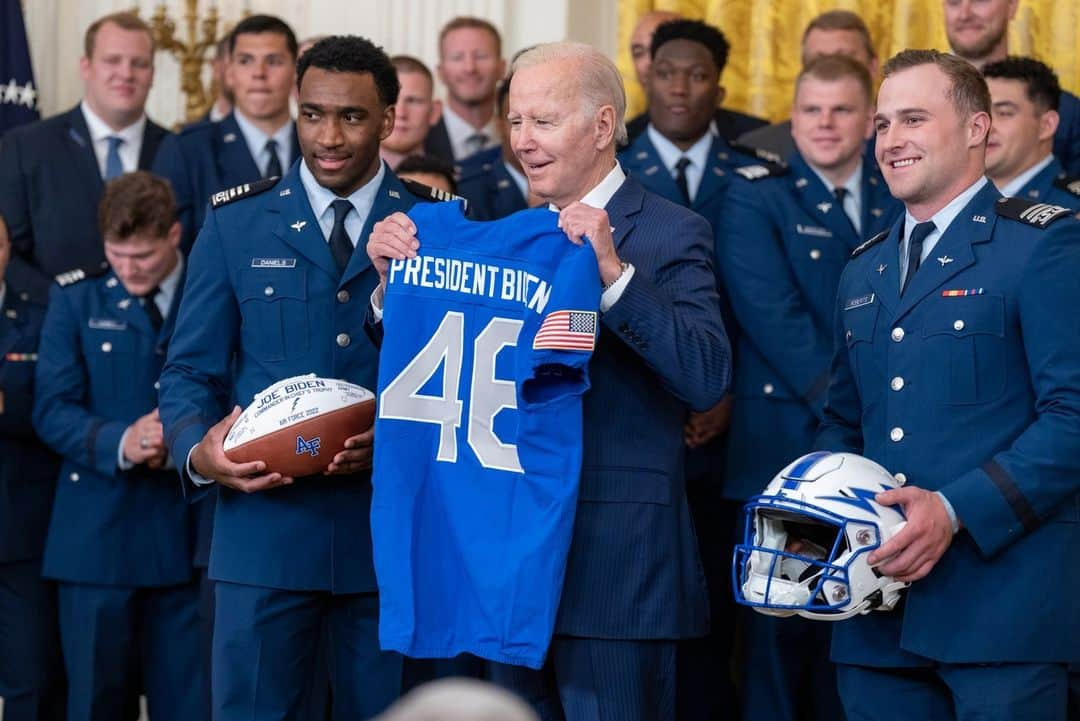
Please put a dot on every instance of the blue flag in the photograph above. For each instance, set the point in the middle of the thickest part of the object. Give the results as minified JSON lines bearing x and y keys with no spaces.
{"x":18,"y":95}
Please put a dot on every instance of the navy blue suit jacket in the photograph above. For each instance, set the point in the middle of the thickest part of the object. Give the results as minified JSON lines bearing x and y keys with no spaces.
{"x":987,"y":411}
{"x":27,"y":467}
{"x":633,"y":570}
{"x":203,"y":159}
{"x":781,"y":247}
{"x":99,"y":363}
{"x":437,"y":143}
{"x":488,"y":186}
{"x":232,"y":333}
{"x":50,"y":187}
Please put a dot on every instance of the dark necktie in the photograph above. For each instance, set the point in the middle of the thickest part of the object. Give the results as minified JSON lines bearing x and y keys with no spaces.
{"x":340,"y":245}
{"x":841,"y":194}
{"x":680,"y":179}
{"x":915,"y":246}
{"x":273,"y":168}
{"x":114,"y":168}
{"x":152,"y":311}
{"x":476,"y":142}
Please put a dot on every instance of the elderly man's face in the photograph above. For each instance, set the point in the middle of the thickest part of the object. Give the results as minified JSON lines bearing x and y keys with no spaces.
{"x":559,"y":146}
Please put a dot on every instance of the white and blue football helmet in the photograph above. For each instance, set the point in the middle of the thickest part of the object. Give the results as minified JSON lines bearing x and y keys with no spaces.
{"x":808,"y":536}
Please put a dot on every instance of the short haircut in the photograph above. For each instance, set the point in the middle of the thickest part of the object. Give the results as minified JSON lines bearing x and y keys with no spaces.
{"x":123,"y":20}
{"x":842,"y":20}
{"x":409,"y":64}
{"x":427,"y":164}
{"x":468,"y":21}
{"x":136,"y":203}
{"x":695,"y":31}
{"x":352,"y":54}
{"x":837,"y":67}
{"x":1041,"y":83}
{"x":967,"y":90}
{"x":259,"y":24}
{"x":599,"y":79}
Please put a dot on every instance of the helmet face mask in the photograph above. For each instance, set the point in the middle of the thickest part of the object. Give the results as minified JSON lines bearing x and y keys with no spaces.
{"x":808,"y":536}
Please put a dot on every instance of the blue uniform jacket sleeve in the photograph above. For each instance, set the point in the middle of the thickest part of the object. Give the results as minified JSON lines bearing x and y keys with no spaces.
{"x":61,"y":416}
{"x":765,"y":297}
{"x":841,"y":426}
{"x":1023,"y":485}
{"x":672,"y":319}
{"x":198,"y":368}
{"x":170,"y":164}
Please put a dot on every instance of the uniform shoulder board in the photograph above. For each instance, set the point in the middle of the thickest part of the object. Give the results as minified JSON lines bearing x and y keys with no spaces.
{"x":428,"y":193}
{"x":1040,"y":215}
{"x":242,"y":191}
{"x":869,"y":244}
{"x":760,"y":153}
{"x":71,"y":277}
{"x":1069,"y":185}
{"x":758,"y":171}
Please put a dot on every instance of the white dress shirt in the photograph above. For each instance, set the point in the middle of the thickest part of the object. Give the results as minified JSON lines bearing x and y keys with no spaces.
{"x":100,"y":133}
{"x":460,"y":131}
{"x":362,"y":199}
{"x":1013,"y":188}
{"x":697,"y":154}
{"x":255,"y":140}
{"x":942,"y":219}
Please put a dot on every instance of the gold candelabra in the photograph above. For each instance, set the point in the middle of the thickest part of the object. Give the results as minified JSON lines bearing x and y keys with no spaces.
{"x":199,"y":47}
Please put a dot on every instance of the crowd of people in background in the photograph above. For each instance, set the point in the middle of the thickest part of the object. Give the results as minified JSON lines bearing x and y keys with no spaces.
{"x":850,"y":279}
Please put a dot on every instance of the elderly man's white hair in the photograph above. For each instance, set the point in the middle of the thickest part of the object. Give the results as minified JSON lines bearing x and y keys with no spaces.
{"x":600,"y":81}
{"x":459,"y":699}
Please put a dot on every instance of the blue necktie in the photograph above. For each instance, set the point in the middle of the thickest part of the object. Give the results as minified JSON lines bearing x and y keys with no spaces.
{"x":113,"y":167}
{"x":340,"y":245}
{"x":273,"y":168}
{"x":914,"y":255}
{"x":680,"y":179}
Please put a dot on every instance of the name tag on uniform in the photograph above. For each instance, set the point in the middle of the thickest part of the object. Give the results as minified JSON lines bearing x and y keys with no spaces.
{"x":813,"y":230}
{"x":273,"y":262}
{"x":106,"y":324}
{"x":859,"y":302}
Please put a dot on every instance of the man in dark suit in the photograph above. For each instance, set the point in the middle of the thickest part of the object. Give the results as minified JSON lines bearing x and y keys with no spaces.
{"x":52,"y":172}
{"x":31,"y":670}
{"x":729,"y":124}
{"x":786,"y":235}
{"x":470,"y":65}
{"x":834,"y":31}
{"x":119,"y":541}
{"x":275,"y":270}
{"x":633,"y":581}
{"x":956,"y":366}
{"x":256,"y":140}
{"x":979,"y":33}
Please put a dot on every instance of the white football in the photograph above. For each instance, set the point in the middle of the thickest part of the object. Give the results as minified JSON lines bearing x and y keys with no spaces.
{"x":297,"y":425}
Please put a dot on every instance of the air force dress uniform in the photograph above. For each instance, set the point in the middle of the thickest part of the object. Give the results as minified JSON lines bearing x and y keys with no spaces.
{"x":31,"y":671}
{"x":265,"y":300}
{"x":785,"y":238}
{"x":1048,"y":184}
{"x":490,"y":186}
{"x":119,"y":541}
{"x":968,"y":383}
{"x":208,"y":157}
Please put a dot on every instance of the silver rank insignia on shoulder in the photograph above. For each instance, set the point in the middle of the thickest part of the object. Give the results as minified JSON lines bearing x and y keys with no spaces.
{"x":641,"y":155}
{"x":979,"y":218}
{"x":71,"y":276}
{"x":286,"y":191}
{"x":298,"y":225}
{"x":652,"y":170}
{"x":753,"y":172}
{"x":124,"y":304}
{"x":824,"y":207}
{"x":801,"y":183}
{"x":944,"y":260}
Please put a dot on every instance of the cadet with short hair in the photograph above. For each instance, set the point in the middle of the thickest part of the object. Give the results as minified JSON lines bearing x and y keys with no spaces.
{"x":119,"y":541}
{"x":957,"y":367}
{"x":415,"y":112}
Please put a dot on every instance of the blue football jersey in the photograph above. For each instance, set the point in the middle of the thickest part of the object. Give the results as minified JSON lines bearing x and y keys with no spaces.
{"x":487,"y":337}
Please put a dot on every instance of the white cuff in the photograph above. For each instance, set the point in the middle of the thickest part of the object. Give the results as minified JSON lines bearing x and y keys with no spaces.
{"x":122,"y":463}
{"x":613,"y":292}
{"x":377,"y":297}
{"x":195,"y":477}
{"x":951,"y":511}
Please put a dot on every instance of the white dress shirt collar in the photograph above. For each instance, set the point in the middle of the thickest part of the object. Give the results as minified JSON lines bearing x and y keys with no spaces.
{"x":669,"y":153}
{"x":362,"y":199}
{"x":853,"y":199}
{"x":1017,"y":184}
{"x":255,"y":140}
{"x":100,"y":132}
{"x":941,"y":219}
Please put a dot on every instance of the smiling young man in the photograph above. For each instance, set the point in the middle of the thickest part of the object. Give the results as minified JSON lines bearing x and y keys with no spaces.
{"x":52,"y":172}
{"x":1019,"y":154}
{"x":119,"y":542}
{"x":256,"y":140}
{"x":274,"y":290}
{"x":957,"y":367}
{"x":415,"y":112}
{"x":978,"y":31}
{"x":785,"y":236}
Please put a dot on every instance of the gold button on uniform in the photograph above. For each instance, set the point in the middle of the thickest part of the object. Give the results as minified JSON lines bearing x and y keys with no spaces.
{"x":343,"y":340}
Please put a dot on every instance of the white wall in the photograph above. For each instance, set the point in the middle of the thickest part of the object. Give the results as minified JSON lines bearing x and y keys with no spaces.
{"x":56,"y":27}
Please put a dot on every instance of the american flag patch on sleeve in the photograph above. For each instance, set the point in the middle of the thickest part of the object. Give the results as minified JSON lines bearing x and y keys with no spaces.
{"x":567,"y":330}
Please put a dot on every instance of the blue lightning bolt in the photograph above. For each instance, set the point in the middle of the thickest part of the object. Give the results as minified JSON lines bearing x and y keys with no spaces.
{"x":862,"y":499}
